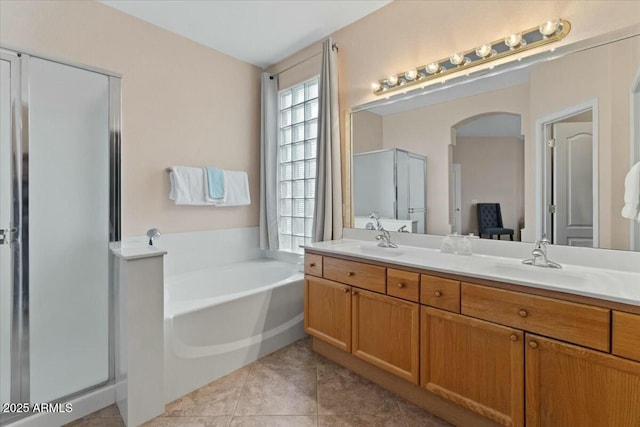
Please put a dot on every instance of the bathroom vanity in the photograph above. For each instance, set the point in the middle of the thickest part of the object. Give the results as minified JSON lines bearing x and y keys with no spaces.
{"x":480,"y":340}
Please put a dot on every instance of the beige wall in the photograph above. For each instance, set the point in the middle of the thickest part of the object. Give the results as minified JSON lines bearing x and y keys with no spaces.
{"x":369,"y":132}
{"x":182,"y":104}
{"x":429,"y":131}
{"x":492,"y":171}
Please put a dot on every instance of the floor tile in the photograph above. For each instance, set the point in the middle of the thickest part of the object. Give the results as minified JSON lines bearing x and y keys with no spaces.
{"x":279,"y":390}
{"x":189,"y":422}
{"x":300,"y":353}
{"x":341,"y":391}
{"x":110,"y":411}
{"x":97,"y":422}
{"x":355,"y":420}
{"x":415,"y":416}
{"x":218,"y":398}
{"x":275,"y":421}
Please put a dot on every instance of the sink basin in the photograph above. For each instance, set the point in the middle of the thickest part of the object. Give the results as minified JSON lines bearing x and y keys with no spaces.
{"x":528,"y":272}
{"x":371,"y":250}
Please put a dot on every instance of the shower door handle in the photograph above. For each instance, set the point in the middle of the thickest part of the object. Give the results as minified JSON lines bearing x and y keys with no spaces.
{"x":6,"y":235}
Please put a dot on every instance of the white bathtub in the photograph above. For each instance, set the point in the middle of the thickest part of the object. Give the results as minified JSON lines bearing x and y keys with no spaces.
{"x":225,"y":317}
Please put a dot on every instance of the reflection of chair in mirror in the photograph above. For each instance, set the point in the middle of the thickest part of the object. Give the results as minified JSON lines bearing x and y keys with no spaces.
{"x":490,"y":221}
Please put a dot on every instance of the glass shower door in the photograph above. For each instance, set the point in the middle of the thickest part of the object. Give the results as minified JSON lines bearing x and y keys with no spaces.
{"x":68,"y":206}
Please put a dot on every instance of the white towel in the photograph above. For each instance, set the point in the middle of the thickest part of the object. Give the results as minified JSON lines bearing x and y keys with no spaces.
{"x":631,"y":209}
{"x":187,"y":186}
{"x":236,"y":189}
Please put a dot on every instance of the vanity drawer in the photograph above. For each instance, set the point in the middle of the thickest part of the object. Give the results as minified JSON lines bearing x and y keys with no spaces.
{"x":577,"y":323}
{"x":626,"y":335}
{"x":313,"y":264}
{"x":440,"y":293}
{"x":364,"y":276}
{"x":403,"y":284}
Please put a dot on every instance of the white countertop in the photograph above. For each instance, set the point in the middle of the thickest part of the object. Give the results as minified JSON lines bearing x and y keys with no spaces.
{"x":611,"y":285}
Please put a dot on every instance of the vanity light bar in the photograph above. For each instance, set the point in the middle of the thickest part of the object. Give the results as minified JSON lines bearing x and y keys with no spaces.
{"x":547,"y":32}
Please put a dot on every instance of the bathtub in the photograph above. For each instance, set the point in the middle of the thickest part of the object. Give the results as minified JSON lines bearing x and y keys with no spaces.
{"x":222,"y":318}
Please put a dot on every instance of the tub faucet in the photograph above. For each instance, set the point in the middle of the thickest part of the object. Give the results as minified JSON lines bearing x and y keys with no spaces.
{"x":540,"y":255}
{"x":152,"y":234}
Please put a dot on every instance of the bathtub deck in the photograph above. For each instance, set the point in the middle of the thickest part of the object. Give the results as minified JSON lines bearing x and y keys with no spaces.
{"x":291,"y":387}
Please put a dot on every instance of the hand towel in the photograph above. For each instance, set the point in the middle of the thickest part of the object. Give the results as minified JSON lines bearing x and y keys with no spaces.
{"x":214,"y":184}
{"x":236,"y":189}
{"x":187,"y":186}
{"x":631,"y":209}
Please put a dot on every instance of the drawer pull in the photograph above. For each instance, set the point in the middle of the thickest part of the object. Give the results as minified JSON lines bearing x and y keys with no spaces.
{"x":401,"y":285}
{"x":312,"y":264}
{"x":513,"y":337}
{"x":533,"y":344}
{"x":438,"y":293}
{"x":346,"y":290}
{"x":350,"y":273}
{"x":523,"y":313}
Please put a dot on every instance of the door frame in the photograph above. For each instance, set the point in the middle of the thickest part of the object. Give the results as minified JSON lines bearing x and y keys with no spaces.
{"x":542,"y":167}
{"x":634,"y":229}
{"x":456,"y":185}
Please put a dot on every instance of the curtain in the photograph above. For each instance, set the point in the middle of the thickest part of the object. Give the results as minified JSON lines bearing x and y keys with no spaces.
{"x":327,"y":219}
{"x":269,"y":163}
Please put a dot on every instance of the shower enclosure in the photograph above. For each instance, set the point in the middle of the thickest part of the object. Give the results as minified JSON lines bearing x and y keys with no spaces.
{"x":59,"y":208}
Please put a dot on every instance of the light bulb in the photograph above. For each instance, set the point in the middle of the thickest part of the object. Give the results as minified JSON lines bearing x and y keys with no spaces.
{"x":392,"y":80}
{"x":484,"y":50}
{"x":549,"y":27}
{"x":375,"y":86}
{"x":457,"y":59}
{"x":514,"y":40}
{"x":411,"y":74}
{"x":432,"y":68}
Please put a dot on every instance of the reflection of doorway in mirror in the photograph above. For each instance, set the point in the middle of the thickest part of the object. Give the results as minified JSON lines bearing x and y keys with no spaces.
{"x":487,"y":166}
{"x":572,"y":183}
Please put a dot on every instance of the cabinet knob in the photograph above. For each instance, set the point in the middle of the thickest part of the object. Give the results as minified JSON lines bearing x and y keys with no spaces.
{"x":523,"y":313}
{"x":438,"y":293}
{"x":513,"y":337}
{"x":354,"y":293}
{"x":312,"y":264}
{"x":533,"y":344}
{"x":346,"y":290}
{"x":350,"y":273}
{"x":401,"y":285}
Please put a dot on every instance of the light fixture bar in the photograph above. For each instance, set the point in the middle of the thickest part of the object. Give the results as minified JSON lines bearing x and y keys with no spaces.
{"x":548,"y":32}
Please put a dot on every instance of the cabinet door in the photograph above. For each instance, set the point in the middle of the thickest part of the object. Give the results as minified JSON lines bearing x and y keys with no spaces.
{"x":474,"y":363}
{"x":386,"y":333}
{"x":327,"y":311}
{"x":569,"y":385}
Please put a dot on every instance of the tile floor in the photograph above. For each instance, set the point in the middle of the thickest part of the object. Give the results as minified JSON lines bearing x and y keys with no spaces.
{"x":292,"y":387}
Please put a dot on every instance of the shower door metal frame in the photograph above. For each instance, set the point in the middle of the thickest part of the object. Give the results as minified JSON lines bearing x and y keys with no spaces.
{"x":20,"y":373}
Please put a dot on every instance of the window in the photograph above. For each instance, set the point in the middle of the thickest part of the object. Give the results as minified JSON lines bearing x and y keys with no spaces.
{"x":298,"y":125}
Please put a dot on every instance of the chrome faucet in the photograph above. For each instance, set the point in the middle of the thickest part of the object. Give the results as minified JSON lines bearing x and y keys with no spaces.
{"x":540,"y":258}
{"x":384,"y":236}
{"x":153,"y":234}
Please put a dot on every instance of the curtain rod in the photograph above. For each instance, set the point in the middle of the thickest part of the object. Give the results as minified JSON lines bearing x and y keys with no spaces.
{"x":333,"y":47}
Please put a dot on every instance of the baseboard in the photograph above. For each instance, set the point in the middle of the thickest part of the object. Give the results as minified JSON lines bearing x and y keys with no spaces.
{"x":443,"y":408}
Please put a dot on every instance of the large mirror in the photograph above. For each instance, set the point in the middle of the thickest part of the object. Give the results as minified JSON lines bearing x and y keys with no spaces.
{"x":534,"y":147}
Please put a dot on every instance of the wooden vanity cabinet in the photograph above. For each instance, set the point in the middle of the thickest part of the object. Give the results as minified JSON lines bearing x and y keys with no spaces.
{"x":569,"y":385}
{"x":386,"y":333}
{"x":476,"y":364}
{"x":327,"y":311}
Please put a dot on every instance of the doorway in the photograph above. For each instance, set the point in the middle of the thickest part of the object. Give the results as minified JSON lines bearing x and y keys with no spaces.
{"x":569,"y":177}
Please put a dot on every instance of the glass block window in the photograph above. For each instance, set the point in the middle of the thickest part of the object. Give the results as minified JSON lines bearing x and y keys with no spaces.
{"x":298,"y":126}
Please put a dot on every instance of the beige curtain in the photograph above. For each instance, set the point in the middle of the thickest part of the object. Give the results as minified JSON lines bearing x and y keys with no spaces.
{"x":327,"y":219}
{"x":269,"y":163}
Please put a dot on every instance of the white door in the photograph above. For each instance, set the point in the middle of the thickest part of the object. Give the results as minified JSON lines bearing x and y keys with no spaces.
{"x":417,"y":198}
{"x":456,"y":176}
{"x":573,"y":184}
